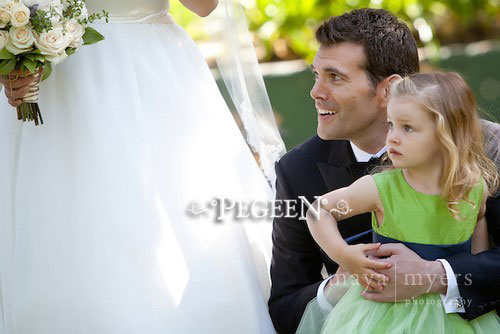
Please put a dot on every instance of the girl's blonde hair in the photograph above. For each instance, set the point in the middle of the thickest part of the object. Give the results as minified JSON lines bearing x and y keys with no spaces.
{"x":448,"y":98}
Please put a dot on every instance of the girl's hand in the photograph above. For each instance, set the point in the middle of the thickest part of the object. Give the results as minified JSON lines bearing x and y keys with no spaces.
{"x":354,"y":259}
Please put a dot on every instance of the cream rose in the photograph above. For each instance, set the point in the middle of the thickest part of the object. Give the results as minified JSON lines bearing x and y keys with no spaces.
{"x":53,"y":43}
{"x":20,"y":15}
{"x":56,"y":19}
{"x":4,"y":38}
{"x":56,"y":6}
{"x":54,"y":3}
{"x":31,"y":3}
{"x":21,"y":40}
{"x":57,"y":59}
{"x":4,"y":17}
{"x":75,"y":32}
{"x":6,"y":3}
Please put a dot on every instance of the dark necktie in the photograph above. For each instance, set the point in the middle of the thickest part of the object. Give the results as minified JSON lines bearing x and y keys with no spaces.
{"x":358,"y":169}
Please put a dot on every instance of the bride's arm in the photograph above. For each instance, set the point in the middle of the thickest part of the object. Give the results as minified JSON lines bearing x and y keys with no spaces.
{"x":200,"y":7}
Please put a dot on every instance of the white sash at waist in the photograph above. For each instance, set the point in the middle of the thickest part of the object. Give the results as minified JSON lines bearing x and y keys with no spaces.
{"x":156,"y":18}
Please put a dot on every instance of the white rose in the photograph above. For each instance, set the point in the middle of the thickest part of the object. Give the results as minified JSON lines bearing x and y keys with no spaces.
{"x":75,"y":32}
{"x":31,"y":3}
{"x":56,"y":18}
{"x":57,"y":58}
{"x":5,"y":3}
{"x":20,"y":15}
{"x":22,"y":37}
{"x":52,"y":43}
{"x":47,"y":5}
{"x":21,"y":40}
{"x":42,"y":3}
{"x":56,"y":3}
{"x":4,"y":17}
{"x":4,"y":38}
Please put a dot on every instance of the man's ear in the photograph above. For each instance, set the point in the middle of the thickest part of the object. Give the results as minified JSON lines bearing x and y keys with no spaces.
{"x":383,"y":89}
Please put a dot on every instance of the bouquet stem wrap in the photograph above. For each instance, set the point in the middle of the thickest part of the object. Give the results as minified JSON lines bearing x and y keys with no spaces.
{"x":29,"y":109}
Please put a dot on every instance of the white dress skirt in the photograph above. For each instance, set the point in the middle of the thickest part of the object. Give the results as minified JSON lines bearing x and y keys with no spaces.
{"x":95,"y":233}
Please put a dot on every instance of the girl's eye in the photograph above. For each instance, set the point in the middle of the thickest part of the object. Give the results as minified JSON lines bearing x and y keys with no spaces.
{"x":408,"y":128}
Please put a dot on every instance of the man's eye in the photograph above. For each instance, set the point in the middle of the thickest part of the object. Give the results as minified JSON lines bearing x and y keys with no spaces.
{"x":390,"y":125}
{"x":408,"y":128}
{"x":336,"y":77}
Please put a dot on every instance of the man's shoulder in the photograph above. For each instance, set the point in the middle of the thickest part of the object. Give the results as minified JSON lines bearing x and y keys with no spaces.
{"x":310,"y":152}
{"x":491,"y":132}
{"x":490,"y":128}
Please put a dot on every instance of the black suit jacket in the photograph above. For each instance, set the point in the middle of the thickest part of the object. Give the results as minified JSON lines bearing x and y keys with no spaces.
{"x":314,"y":168}
{"x":311,"y":169}
{"x":478,"y":276}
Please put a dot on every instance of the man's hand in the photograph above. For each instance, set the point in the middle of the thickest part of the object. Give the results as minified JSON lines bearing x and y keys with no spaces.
{"x":409,"y":277}
{"x":16,"y":85}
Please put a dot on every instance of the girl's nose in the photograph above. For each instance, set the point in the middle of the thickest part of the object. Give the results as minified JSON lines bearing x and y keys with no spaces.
{"x":392,"y":137}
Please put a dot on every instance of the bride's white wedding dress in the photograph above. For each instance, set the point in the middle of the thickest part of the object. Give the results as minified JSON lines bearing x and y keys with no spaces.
{"x":94,"y":231}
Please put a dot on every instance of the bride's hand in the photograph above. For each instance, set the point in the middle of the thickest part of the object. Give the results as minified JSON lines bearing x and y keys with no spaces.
{"x":15,"y":86}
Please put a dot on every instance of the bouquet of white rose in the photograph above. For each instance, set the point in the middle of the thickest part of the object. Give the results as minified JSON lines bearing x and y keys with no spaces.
{"x":37,"y":34}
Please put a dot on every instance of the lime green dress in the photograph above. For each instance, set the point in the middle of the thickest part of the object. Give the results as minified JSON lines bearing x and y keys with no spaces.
{"x":424,"y":224}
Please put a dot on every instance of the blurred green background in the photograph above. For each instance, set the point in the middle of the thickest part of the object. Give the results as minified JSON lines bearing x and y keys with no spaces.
{"x":461,"y":35}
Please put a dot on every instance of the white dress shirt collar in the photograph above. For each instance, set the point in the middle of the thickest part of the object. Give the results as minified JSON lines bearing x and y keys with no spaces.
{"x":362,"y":156}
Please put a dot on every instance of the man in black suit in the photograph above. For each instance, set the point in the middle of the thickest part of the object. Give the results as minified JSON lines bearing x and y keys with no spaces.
{"x":360,"y":53}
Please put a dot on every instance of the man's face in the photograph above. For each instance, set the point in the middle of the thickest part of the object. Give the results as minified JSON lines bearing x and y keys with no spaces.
{"x":345,"y":98}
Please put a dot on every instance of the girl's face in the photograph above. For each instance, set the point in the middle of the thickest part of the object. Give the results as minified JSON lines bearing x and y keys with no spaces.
{"x":412,"y":140}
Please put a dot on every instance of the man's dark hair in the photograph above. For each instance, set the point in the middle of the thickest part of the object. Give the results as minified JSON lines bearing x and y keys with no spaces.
{"x":388,"y":44}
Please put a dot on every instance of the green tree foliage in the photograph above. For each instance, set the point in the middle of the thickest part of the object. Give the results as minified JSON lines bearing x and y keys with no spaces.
{"x":284,"y":29}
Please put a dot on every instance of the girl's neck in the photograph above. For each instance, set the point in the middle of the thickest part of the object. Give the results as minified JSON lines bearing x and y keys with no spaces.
{"x":425,"y":178}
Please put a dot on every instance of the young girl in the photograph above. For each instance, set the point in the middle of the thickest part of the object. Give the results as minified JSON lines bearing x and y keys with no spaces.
{"x":433,"y":195}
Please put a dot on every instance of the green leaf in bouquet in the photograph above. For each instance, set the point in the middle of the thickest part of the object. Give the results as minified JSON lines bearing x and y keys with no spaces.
{"x":73,"y":9}
{"x":70,"y":51}
{"x":41,"y":21}
{"x":7,"y":66}
{"x":103,"y":15}
{"x":5,"y":54}
{"x":47,"y":70}
{"x":29,"y":65}
{"x":35,"y":56}
{"x":91,"y":36}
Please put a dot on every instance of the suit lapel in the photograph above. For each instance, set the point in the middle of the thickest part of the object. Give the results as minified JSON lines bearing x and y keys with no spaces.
{"x":335,"y":177}
{"x":341,"y":170}
{"x":335,"y":172}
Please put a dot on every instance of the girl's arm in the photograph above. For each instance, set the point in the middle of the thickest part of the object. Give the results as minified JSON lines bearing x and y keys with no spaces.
{"x":360,"y":197}
{"x":200,"y":7}
{"x":481,"y":237}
